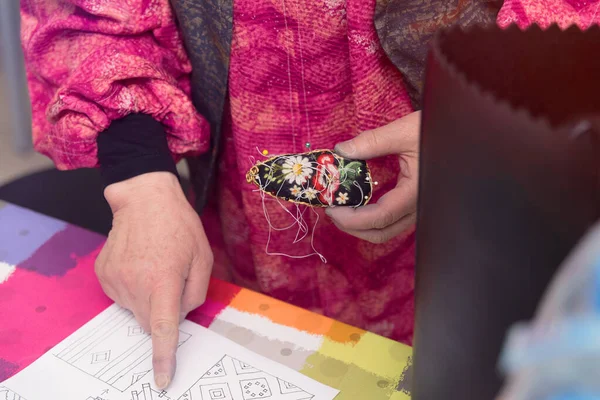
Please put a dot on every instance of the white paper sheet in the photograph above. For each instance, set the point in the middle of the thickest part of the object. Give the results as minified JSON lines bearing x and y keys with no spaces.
{"x":110,"y":358}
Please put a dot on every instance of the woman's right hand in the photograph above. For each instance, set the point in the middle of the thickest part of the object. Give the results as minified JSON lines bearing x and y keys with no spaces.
{"x":156,"y":262}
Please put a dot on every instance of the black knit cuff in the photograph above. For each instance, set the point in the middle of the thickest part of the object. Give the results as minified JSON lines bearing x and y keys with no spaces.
{"x":132,"y":146}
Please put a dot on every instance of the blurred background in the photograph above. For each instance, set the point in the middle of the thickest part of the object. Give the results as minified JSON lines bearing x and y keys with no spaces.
{"x":17,"y":157}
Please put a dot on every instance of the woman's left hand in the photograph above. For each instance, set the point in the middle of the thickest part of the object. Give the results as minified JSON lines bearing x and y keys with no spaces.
{"x":395,"y":211}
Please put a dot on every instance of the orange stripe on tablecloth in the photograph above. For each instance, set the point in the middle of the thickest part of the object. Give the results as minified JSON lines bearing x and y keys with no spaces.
{"x":281,"y":313}
{"x":295,"y":317}
{"x":343,"y":333}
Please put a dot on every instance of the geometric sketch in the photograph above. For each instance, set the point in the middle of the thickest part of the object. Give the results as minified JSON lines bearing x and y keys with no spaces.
{"x":102,"y":356}
{"x":287,"y":387}
{"x":99,"y":397}
{"x":232,"y":379}
{"x":148,"y":394}
{"x":243,"y":368}
{"x":7,"y":394}
{"x":135,"y":331}
{"x":114,"y":352}
{"x":216,"y":371}
{"x":214,"y":391}
{"x":255,"y":388}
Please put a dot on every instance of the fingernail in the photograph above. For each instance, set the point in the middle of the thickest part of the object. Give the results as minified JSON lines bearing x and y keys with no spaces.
{"x":346,"y":148}
{"x":162,"y":381}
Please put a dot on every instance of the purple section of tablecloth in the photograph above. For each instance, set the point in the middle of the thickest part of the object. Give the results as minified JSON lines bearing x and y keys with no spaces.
{"x":59,"y":254}
{"x":23,"y":232}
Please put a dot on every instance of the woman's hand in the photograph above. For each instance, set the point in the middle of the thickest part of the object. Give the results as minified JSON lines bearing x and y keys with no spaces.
{"x":156,"y":261}
{"x":396,"y":211}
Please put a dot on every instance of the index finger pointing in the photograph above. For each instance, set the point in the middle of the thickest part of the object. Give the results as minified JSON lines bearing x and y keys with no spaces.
{"x":165,"y":304}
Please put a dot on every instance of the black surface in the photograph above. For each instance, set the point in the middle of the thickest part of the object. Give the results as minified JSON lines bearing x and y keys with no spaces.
{"x":75,"y":197}
{"x":503,"y":197}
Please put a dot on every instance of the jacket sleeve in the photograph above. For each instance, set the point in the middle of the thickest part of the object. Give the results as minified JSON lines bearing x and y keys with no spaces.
{"x":546,"y":12}
{"x":92,"y":62}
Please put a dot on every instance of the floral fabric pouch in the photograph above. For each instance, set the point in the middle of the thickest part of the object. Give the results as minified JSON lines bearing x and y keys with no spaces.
{"x":318,"y":178}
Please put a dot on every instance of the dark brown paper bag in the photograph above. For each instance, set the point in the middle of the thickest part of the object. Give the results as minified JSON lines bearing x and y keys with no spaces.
{"x":509,"y":182}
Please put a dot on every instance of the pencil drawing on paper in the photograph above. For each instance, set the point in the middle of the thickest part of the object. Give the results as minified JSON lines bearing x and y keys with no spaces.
{"x":7,"y":394}
{"x":116,"y":352}
{"x":102,"y":396}
{"x":232,"y":379}
{"x":147,"y":393}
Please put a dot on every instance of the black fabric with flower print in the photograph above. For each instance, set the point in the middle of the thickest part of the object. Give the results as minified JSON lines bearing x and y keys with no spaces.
{"x":318,"y":178}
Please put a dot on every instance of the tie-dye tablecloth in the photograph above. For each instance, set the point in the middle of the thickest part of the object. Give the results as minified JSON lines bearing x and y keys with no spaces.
{"x":48,"y":289}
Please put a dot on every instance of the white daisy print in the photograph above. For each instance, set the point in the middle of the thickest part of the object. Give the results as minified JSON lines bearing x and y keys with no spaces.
{"x":310,"y":193}
{"x":296,"y":191}
{"x":297,"y":169}
{"x":342,"y":198}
